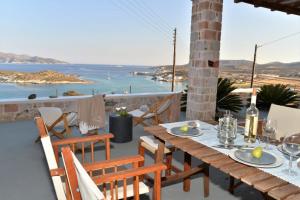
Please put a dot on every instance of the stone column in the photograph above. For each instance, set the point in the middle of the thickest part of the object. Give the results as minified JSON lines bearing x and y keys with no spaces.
{"x":204,"y":58}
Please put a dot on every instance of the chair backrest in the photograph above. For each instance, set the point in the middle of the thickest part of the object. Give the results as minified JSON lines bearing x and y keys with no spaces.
{"x":288,"y":120}
{"x":162,"y":105}
{"x":82,"y":187}
{"x":50,"y":157}
{"x":50,"y":114}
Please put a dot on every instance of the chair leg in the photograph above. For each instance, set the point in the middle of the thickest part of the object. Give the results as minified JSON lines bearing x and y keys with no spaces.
{"x":37,"y":139}
{"x":169,"y":158}
{"x":141,"y":151}
{"x":231,"y":185}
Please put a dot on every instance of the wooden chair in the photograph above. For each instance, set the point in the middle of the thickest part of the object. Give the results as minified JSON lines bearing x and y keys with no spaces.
{"x":57,"y":122}
{"x":153,"y":114}
{"x":115,"y":184}
{"x":52,"y":149}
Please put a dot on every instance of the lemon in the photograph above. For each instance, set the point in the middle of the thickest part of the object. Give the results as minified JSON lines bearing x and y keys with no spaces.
{"x":257,"y":152}
{"x":184,"y":128}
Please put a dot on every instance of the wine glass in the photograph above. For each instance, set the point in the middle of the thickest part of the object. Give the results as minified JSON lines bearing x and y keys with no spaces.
{"x":291,"y":144}
{"x":269,"y":129}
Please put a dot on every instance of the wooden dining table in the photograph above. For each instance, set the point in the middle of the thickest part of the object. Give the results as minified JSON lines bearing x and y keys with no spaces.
{"x":267,"y":184}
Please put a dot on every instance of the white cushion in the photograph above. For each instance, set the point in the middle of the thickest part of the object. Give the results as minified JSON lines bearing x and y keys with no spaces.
{"x":51,"y":114}
{"x":52,"y":164}
{"x":88,"y":188}
{"x":72,"y":119}
{"x":164,"y":106}
{"x":150,"y":143}
{"x":143,"y":189}
{"x":139,"y":113}
{"x":288,"y":120}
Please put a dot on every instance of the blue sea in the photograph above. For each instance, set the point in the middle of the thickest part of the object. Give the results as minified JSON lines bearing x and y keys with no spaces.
{"x":106,"y":79}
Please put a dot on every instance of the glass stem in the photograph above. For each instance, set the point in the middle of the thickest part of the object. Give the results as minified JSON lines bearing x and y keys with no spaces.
{"x":267,"y":143}
{"x":290,"y":164}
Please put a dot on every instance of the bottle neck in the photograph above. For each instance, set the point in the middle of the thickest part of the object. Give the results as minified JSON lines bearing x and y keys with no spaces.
{"x":253,"y":99}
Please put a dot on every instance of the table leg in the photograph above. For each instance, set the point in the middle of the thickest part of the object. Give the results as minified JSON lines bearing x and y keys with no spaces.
{"x":187,"y":167}
{"x":206,"y":180}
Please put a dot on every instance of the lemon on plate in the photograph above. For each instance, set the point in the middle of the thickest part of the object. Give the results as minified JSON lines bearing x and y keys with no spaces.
{"x":257,"y":152}
{"x":184,"y":128}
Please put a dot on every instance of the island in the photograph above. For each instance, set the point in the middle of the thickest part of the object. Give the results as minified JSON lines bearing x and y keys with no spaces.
{"x":41,"y":77}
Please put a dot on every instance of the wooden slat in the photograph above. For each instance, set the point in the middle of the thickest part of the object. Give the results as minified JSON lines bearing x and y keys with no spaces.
{"x":229,"y":167}
{"x":177,"y":141}
{"x":222,"y":162}
{"x":284,"y":191}
{"x":254,"y":178}
{"x":293,"y":197}
{"x":190,"y":145}
{"x":203,"y":152}
{"x":269,"y":184}
{"x":238,"y":174}
{"x":213,"y":158}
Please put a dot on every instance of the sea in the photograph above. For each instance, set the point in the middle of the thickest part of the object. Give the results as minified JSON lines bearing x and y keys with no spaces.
{"x":108,"y":79}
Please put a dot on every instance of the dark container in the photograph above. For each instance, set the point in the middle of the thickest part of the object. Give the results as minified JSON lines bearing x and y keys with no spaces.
{"x":120,"y":127}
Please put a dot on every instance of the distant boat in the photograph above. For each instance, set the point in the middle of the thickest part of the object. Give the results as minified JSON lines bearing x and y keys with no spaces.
{"x":108,"y":76}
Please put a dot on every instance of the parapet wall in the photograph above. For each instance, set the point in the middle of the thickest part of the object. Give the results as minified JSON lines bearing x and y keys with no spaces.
{"x":24,"y":109}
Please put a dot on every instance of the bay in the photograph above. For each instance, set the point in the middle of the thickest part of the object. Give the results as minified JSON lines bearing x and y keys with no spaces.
{"x":105,"y":78}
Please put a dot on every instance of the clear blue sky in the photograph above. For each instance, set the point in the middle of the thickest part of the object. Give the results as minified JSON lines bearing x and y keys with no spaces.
{"x":124,"y":32}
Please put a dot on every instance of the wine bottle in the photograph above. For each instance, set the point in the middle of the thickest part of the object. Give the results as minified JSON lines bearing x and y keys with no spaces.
{"x":251,"y":120}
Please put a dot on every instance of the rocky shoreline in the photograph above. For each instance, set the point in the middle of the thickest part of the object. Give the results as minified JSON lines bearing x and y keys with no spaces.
{"x":41,"y":77}
{"x":164,"y":73}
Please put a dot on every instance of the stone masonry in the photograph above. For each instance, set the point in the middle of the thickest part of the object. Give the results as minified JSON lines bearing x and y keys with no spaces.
{"x":27,"y":109}
{"x":204,"y":58}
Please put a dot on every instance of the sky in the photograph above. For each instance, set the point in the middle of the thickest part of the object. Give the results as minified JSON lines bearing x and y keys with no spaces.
{"x":138,"y":32}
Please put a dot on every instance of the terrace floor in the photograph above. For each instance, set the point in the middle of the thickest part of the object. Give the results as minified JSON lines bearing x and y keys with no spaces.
{"x":24,"y":173}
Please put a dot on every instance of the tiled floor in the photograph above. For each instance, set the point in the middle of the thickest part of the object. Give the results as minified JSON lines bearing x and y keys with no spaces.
{"x":24,"y":173}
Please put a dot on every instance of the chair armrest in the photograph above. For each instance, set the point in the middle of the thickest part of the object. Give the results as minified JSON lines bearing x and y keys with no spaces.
{"x":75,"y":140}
{"x":129,"y":173}
{"x":102,"y":164}
{"x":113,"y":162}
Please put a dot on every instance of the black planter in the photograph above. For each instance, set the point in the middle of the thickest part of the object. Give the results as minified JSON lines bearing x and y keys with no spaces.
{"x":120,"y":127}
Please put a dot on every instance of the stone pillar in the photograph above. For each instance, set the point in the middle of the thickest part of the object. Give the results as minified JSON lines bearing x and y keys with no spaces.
{"x":204,"y":58}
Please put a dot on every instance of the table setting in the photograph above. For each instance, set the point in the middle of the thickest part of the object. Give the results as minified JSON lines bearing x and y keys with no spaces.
{"x":282,"y":161}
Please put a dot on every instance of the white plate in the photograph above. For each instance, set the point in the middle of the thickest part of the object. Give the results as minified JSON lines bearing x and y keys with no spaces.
{"x":279,"y":160}
{"x":187,"y":136}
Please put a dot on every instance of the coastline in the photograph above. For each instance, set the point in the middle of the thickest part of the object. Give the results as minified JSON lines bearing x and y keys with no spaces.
{"x":40,"y":77}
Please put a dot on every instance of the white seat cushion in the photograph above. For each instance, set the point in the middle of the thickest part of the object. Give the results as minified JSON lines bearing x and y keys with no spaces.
{"x":139,"y":113}
{"x":287,"y":120}
{"x":88,"y":189}
{"x":143,"y":189}
{"x":151,"y":144}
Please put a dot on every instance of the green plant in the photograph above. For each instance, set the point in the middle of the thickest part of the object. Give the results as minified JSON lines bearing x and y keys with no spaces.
{"x":276,"y":94}
{"x":184,"y":99}
{"x":225,"y":99}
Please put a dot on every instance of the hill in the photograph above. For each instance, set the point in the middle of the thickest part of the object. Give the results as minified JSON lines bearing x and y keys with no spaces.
{"x":26,"y":59}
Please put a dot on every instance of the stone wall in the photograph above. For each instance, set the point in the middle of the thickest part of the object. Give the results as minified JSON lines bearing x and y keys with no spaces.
{"x":204,"y":58}
{"x":23,"y":109}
